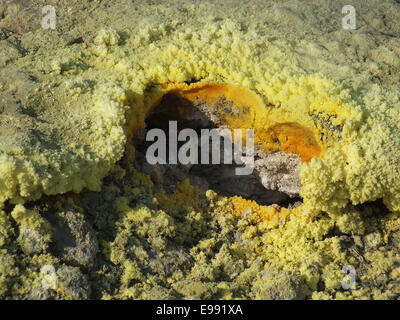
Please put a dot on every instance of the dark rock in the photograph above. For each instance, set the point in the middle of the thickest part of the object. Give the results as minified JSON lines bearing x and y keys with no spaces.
{"x":74,"y":239}
{"x":72,"y":283}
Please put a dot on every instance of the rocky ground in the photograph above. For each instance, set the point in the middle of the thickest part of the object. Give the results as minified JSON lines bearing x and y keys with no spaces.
{"x":80,"y":219}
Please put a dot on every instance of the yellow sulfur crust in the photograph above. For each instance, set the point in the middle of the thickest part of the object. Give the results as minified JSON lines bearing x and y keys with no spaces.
{"x":88,"y":101}
{"x":285,"y":105}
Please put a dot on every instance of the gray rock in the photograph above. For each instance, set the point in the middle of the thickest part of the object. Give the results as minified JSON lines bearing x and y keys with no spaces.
{"x":72,"y":283}
{"x":381,"y":279}
{"x":195,"y":290}
{"x":31,"y":241}
{"x":280,"y":171}
{"x":161,"y":293}
{"x":276,"y":284}
{"x":171,"y":262}
{"x":74,"y":239}
{"x":372,"y":240}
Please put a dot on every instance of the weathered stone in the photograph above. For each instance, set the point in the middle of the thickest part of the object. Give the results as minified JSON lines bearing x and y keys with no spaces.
{"x":279,"y":285}
{"x":74,"y":239}
{"x":372,"y":240}
{"x":72,"y":283}
{"x":195,"y":289}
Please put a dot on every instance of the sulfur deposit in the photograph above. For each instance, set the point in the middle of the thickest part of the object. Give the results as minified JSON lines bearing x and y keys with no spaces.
{"x":82,"y":215}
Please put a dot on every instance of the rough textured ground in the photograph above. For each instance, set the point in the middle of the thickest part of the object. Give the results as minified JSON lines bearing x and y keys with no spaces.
{"x":78,"y":220}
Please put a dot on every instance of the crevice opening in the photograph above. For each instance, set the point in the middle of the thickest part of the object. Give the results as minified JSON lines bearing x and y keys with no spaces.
{"x":274,"y":180}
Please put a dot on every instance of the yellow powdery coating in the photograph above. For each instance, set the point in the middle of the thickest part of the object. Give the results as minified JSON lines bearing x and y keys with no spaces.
{"x":329,"y":182}
{"x":269,"y":135}
{"x":34,"y":231}
{"x":362,"y":156}
{"x":94,"y":95}
{"x":6,"y":228}
{"x":29,"y":219}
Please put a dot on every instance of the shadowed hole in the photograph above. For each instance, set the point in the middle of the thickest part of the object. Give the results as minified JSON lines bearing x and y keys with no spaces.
{"x":273,"y":181}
